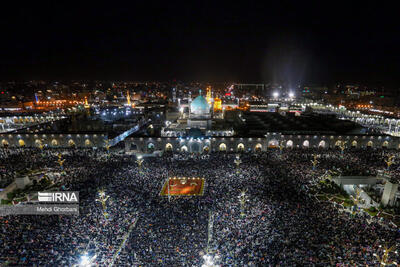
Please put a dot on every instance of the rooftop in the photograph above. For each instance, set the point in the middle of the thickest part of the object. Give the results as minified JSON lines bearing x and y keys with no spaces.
{"x":257,"y":124}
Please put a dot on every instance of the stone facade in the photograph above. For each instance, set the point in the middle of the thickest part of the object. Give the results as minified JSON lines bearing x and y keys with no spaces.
{"x":271,"y":140}
{"x":52,"y":140}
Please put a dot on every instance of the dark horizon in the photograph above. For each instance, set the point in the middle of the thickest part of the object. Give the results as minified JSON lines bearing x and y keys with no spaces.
{"x":295,"y":43}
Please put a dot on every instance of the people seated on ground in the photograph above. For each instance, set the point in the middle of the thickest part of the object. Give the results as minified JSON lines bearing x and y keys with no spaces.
{"x":278,"y":224}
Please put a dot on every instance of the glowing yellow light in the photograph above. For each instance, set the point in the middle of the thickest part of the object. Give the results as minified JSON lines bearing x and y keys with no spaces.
{"x":86,"y":103}
{"x":128,"y":98}
{"x":217,"y":104}
{"x":208,"y":96}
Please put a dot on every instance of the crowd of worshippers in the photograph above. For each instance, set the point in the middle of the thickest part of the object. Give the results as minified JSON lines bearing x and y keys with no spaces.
{"x":276,"y":224}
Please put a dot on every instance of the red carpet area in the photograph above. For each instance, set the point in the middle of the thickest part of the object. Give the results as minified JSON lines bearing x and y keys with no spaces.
{"x":183,"y":186}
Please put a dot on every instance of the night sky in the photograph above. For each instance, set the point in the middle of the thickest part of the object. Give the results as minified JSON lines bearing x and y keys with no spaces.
{"x":208,"y":41}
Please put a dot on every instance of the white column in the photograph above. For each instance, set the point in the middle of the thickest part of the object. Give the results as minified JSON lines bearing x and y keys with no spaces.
{"x":389,"y":193}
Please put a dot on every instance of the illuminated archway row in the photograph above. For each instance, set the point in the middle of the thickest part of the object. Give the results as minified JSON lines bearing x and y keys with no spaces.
{"x":52,"y":140}
{"x":306,"y":144}
{"x":338,"y":143}
{"x":251,"y":144}
{"x":222,"y":147}
{"x":169,"y":147}
{"x":38,"y":143}
{"x":239,"y":148}
{"x":258,"y":147}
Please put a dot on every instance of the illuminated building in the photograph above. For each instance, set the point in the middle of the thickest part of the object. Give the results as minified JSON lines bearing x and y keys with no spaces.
{"x":209,"y":96}
{"x":128,"y":98}
{"x":86,"y":103}
{"x":199,"y":115}
{"x":217,"y":104}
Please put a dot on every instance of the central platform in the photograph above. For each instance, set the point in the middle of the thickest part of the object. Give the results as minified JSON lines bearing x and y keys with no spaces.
{"x":183,"y":186}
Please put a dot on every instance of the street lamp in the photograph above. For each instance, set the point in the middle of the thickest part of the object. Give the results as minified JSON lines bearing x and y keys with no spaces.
{"x":103,"y":199}
{"x":342,"y":146}
{"x":314,"y":162}
{"x":237,"y":161}
{"x":385,"y":258}
{"x":139,"y":161}
{"x":107,"y":145}
{"x":389,"y":161}
{"x":275,"y":94}
{"x":41,"y":146}
{"x":243,"y":200}
{"x":281,"y":147}
{"x":291,"y":94}
{"x":60,"y":160}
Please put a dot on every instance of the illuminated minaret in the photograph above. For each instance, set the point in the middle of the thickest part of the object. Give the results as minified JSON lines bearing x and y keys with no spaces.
{"x":86,"y":103}
{"x":209,"y":96}
{"x":190,"y":101}
{"x":128,"y":98}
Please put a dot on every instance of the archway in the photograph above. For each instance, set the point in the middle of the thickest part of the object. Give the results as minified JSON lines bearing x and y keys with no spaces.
{"x":21,"y":142}
{"x":273,"y":144}
{"x":258,"y":147}
{"x":370,"y":144}
{"x":195,"y":147}
{"x":240,"y":147}
{"x":289,"y":143}
{"x":184,"y":149}
{"x":385,"y":144}
{"x":133,"y":147}
{"x":87,"y":142}
{"x":38,"y":143}
{"x":306,"y":143}
{"x":168,"y":147}
{"x":222,"y":147}
{"x":4,"y":143}
{"x":150,"y":147}
{"x":71,"y":143}
{"x":354,"y":143}
{"x":206,"y":149}
{"x":322,"y":144}
{"x":54,"y":142}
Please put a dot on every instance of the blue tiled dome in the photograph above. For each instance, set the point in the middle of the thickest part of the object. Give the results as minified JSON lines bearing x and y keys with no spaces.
{"x":199,"y":105}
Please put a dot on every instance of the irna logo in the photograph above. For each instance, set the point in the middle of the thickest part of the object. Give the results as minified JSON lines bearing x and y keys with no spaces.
{"x":60,"y":197}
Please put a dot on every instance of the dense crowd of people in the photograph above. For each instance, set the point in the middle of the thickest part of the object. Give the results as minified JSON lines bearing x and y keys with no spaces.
{"x":279,"y":224}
